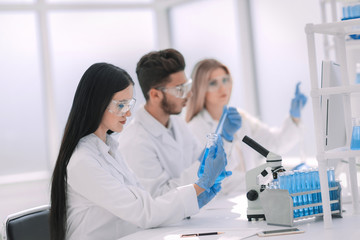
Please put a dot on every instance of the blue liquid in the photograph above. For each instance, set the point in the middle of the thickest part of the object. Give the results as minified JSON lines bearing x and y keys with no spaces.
{"x":307,"y":176}
{"x":317,"y":179}
{"x":304,"y":189}
{"x":355,"y":138}
{"x":202,"y":166}
{"x":314,"y":195}
{"x":297,"y":183}
{"x":357,"y":78}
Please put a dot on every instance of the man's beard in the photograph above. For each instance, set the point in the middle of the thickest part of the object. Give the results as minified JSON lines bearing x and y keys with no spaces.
{"x":168,"y":108}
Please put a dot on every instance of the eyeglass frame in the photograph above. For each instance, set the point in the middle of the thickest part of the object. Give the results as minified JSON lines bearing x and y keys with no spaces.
{"x":130,"y":103}
{"x":221,"y":81}
{"x":187,"y":84}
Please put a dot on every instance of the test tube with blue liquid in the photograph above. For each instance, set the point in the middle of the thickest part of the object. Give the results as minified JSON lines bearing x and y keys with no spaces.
{"x":309,"y":188}
{"x":304,"y":188}
{"x":331,"y":181}
{"x":317,"y":182}
{"x":298,"y":188}
{"x":314,"y":187}
{"x":355,"y":138}
{"x":211,"y":139}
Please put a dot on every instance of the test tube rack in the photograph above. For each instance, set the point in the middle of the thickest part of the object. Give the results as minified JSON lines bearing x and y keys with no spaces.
{"x":279,"y":207}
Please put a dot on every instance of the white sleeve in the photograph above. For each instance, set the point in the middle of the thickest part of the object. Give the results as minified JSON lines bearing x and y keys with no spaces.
{"x":150,"y":172}
{"x":128,"y":202}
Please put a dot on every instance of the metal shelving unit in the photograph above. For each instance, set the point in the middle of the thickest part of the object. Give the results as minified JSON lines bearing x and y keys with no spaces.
{"x":340,"y":31}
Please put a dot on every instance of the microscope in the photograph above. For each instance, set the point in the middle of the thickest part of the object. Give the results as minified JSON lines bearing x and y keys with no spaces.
{"x":257,"y":178}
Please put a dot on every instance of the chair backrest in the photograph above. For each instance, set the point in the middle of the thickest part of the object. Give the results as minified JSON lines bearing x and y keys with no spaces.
{"x":31,"y":224}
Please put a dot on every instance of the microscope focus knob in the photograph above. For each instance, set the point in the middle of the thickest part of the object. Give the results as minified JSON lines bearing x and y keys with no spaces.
{"x":252,"y":195}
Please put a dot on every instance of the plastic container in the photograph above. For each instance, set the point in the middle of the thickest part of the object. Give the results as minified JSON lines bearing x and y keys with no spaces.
{"x":351,"y":10}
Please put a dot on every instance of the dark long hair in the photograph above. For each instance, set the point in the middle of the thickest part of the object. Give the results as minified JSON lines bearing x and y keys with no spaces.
{"x":93,"y":95}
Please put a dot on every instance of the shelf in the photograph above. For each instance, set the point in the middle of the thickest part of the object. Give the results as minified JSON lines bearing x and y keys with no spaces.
{"x":335,"y":90}
{"x":341,"y":153}
{"x":352,"y":44}
{"x":342,"y":46}
{"x":346,"y":27}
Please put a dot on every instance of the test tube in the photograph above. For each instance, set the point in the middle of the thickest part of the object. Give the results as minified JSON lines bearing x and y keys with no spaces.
{"x":309,"y":188}
{"x":211,"y":139}
{"x":281,"y":177}
{"x":304,"y":188}
{"x":292,"y":189}
{"x":314,"y":187}
{"x":317,"y":182}
{"x":298,"y":189}
{"x":331,"y":181}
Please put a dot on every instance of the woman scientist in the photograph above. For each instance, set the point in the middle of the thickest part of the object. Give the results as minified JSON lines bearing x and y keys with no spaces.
{"x":212,"y":85}
{"x":94,"y":195}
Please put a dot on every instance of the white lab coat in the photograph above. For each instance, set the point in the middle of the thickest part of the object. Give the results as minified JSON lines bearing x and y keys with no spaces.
{"x":105,"y":200}
{"x":242,"y":157}
{"x":160,"y":161}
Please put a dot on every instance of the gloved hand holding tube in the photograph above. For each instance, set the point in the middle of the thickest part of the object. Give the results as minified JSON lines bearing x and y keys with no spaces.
{"x":232,"y":123}
{"x":213,"y":164}
{"x":206,"y":197}
{"x":298,"y":102}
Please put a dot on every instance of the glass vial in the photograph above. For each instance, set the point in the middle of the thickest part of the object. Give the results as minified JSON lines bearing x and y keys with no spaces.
{"x":211,"y":139}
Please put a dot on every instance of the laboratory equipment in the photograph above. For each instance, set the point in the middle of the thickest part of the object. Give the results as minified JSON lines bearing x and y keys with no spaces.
{"x":289,"y":205}
{"x":211,"y":139}
{"x":332,"y":107}
{"x":212,"y":167}
{"x":339,"y":31}
{"x":355,"y":137}
{"x":257,"y":178}
{"x":220,"y":126}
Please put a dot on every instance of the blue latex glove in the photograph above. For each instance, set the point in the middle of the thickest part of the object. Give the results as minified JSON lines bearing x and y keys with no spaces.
{"x":201,"y":155}
{"x":297,"y":103}
{"x":232,"y":123}
{"x":206,"y":197}
{"x":214,"y":165}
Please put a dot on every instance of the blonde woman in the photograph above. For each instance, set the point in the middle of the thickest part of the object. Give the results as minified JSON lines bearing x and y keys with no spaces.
{"x":212,"y":86}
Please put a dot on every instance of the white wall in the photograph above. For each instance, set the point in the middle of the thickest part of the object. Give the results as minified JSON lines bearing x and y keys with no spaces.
{"x":78,"y":38}
{"x":282,"y":61}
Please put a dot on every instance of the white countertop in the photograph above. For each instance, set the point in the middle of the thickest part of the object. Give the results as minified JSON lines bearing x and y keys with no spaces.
{"x":228,"y":214}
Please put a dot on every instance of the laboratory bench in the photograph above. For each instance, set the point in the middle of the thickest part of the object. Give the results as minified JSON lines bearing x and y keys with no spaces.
{"x":227,"y":214}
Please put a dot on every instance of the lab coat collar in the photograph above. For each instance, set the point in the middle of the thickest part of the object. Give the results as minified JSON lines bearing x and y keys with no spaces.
{"x":150,"y":123}
{"x":115,"y":159}
{"x":207,"y":117}
{"x":156,"y":129}
{"x":103,"y":147}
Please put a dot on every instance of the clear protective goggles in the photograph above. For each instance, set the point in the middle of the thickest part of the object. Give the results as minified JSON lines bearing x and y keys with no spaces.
{"x":215,"y":83}
{"x":180,"y":91}
{"x":121,"y":107}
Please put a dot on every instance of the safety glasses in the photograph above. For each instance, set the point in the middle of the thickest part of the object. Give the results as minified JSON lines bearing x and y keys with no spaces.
{"x":180,"y":91}
{"x":121,"y":107}
{"x":215,"y":83}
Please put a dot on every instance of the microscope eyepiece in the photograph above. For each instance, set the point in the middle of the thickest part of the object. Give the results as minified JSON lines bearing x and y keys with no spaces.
{"x":254,"y":145}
